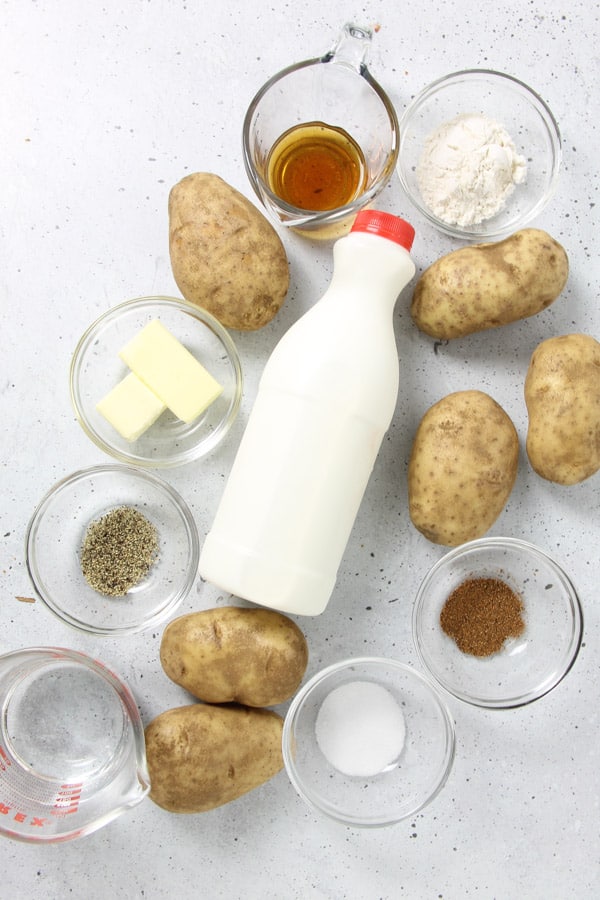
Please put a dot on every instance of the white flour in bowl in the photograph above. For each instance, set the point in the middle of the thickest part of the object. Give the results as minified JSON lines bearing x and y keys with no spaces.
{"x":468,"y":169}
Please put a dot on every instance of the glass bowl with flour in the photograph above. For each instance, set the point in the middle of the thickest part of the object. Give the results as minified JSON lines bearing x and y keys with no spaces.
{"x":480,"y":154}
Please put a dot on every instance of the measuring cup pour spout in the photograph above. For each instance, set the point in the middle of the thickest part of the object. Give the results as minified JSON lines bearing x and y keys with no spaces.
{"x":352,"y":48}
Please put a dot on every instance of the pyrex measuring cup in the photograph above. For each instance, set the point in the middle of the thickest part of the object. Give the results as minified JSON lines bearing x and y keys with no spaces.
{"x":72,"y":752}
{"x":338,"y":92}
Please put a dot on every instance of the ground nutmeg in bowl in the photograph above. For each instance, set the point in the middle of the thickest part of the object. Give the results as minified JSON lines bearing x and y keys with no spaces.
{"x":481,"y":614}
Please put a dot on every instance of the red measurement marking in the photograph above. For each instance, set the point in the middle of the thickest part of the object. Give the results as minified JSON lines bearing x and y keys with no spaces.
{"x":67,"y":800}
{"x":66,"y":803}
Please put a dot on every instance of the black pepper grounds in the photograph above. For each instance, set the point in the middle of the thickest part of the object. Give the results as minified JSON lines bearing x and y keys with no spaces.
{"x":480,"y":614}
{"x":118,"y":551}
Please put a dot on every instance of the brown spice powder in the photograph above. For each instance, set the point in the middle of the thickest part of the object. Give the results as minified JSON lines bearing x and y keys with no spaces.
{"x":480,"y":614}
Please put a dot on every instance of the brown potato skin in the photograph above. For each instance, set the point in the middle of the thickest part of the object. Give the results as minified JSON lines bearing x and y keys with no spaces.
{"x":462,"y":467}
{"x":225,"y":256}
{"x":201,"y":757}
{"x":562,"y":395}
{"x":256,"y":657}
{"x":484,"y":286}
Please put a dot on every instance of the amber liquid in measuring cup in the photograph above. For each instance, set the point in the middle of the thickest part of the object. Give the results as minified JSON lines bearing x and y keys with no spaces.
{"x":316,"y":167}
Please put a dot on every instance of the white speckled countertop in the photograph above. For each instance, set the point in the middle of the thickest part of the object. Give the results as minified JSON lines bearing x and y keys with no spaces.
{"x":103,"y":108}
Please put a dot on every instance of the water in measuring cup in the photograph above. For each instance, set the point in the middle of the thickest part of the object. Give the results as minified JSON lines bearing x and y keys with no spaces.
{"x":64,"y":723}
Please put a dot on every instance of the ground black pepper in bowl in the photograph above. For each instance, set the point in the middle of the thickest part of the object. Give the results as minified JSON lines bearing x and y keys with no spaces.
{"x":118,"y":551}
{"x":140,"y":557}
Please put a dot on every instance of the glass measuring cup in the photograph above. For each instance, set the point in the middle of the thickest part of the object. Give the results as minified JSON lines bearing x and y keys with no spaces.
{"x":72,"y":752}
{"x":335,"y":91}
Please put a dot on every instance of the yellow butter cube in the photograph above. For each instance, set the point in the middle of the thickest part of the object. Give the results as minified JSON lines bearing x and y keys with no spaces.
{"x":170,"y":371}
{"x":131,"y":407}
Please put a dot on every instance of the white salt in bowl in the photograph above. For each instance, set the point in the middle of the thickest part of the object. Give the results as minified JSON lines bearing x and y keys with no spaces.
{"x":55,"y":537}
{"x":522,"y":113}
{"x":383,"y":762}
{"x":526,"y":667}
{"x":96,"y":368}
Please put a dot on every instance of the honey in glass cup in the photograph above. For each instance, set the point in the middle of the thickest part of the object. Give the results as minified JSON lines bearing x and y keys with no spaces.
{"x":321,"y":138}
{"x":317,"y":167}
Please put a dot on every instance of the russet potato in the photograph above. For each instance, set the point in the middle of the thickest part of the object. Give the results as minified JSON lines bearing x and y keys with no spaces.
{"x":486,"y":285}
{"x":201,"y":756}
{"x":225,"y":256}
{"x":256,"y":657}
{"x":562,"y":395}
{"x":462,"y":467}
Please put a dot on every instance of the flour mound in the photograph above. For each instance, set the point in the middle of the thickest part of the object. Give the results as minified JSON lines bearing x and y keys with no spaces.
{"x":468,"y":169}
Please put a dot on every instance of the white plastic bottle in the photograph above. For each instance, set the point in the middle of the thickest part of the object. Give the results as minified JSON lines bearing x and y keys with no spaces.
{"x":325,"y":401}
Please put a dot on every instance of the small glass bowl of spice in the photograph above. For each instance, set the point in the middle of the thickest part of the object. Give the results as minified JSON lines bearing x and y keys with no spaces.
{"x":112,"y":550}
{"x":368,"y":741}
{"x":497,"y":622}
{"x":479,"y":155}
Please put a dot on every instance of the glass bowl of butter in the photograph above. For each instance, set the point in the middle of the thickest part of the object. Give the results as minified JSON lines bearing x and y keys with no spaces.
{"x":156,"y":382}
{"x":479,"y":155}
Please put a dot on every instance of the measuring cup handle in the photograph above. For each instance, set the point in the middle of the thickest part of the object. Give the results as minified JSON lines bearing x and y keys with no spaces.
{"x":351,"y":48}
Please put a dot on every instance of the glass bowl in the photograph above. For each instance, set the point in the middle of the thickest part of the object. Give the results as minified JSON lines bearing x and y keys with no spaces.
{"x":55,"y":536}
{"x":96,"y":368}
{"x":521,"y":112}
{"x":526,"y":667}
{"x":406,"y":782}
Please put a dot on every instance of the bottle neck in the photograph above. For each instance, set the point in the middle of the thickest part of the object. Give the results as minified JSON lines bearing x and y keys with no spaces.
{"x":369,"y":266}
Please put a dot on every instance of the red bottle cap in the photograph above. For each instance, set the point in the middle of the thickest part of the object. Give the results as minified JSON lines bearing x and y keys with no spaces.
{"x":385,"y":225}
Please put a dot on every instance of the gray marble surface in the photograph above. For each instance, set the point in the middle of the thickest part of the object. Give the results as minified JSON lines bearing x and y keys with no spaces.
{"x":103,"y":108}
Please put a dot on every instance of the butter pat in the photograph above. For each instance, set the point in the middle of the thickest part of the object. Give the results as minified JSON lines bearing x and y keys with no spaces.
{"x":170,"y":371}
{"x":131,"y":407}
